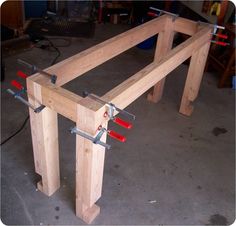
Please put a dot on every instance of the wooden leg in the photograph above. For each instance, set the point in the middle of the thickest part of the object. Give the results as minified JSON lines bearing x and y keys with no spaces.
{"x":164,"y":44}
{"x":44,"y":130}
{"x":193,"y":81}
{"x":89,"y":166}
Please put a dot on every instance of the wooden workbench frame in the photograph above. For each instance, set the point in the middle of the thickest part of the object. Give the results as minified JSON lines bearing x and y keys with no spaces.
{"x":88,"y":114}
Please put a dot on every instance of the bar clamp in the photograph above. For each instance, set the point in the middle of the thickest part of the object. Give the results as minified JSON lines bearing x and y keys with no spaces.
{"x":111,"y":110}
{"x":95,"y":140}
{"x":160,"y":12}
{"x":35,"y":69}
{"x":18,"y":96}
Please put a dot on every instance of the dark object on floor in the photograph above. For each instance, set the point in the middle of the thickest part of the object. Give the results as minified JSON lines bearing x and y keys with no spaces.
{"x":218,"y":219}
{"x":217,"y":131}
{"x":60,"y":27}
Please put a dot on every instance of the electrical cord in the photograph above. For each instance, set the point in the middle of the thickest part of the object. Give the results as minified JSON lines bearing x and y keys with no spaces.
{"x":53,"y":62}
{"x":18,"y":131}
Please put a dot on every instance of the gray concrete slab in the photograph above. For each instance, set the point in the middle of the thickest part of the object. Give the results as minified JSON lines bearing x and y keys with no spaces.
{"x":172,"y":169}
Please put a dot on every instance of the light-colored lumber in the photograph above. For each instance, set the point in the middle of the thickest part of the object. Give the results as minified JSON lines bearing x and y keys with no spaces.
{"x":194,"y":77}
{"x":136,"y":85}
{"x":89,"y":163}
{"x":164,"y":44}
{"x":61,"y":100}
{"x":44,"y":131}
{"x":78,"y":64}
{"x":89,"y":114}
{"x":31,"y":89}
{"x":185,"y":26}
{"x":90,"y":214}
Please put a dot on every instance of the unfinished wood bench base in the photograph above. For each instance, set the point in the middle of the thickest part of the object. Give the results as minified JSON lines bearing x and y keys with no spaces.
{"x":89,"y":114}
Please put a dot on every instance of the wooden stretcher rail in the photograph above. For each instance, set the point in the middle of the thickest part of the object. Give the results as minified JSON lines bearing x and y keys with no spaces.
{"x":67,"y":70}
{"x":132,"y":88}
{"x":65,"y":102}
{"x":80,"y":63}
{"x":185,"y":26}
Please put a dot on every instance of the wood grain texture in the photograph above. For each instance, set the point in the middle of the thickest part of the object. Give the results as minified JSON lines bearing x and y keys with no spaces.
{"x":61,"y":100}
{"x":132,"y":88}
{"x":44,"y":131}
{"x":194,"y":77}
{"x":80,"y":63}
{"x":185,"y":26}
{"x":31,"y":89}
{"x":164,"y":44}
{"x":89,"y":162}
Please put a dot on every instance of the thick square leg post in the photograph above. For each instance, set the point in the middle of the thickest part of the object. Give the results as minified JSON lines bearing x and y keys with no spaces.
{"x":194,"y":78}
{"x":89,"y":164}
{"x":164,"y":45}
{"x":44,"y":130}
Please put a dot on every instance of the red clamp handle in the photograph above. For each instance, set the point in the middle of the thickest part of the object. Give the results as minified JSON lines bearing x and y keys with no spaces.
{"x":222,"y":36}
{"x":21,"y":74}
{"x":123,"y":123}
{"x":221,"y":43}
{"x":17,"y":84}
{"x":152,"y":14}
{"x":116,"y":136}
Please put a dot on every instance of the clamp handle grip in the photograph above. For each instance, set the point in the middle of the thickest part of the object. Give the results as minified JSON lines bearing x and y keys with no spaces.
{"x":222,"y":36}
{"x":116,"y":136}
{"x":221,"y":43}
{"x":152,"y":14}
{"x":21,"y":74}
{"x":122,"y":123}
{"x":17,"y":84}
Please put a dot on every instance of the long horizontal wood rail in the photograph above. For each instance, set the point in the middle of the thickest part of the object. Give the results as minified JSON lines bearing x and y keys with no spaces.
{"x":65,"y":102}
{"x":80,"y":63}
{"x":185,"y":26}
{"x":132,"y":88}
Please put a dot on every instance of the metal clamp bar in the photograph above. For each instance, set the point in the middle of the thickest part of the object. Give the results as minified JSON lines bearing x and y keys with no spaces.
{"x":22,"y":100}
{"x":111,"y":105}
{"x":36,"y":69}
{"x":95,"y":140}
{"x":215,"y":26}
{"x":163,"y":11}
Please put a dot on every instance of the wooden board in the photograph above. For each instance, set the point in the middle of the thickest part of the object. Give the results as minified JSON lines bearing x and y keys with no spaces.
{"x":89,"y":114}
{"x":132,"y":88}
{"x":185,"y":26}
{"x":194,"y":77}
{"x":164,"y":45}
{"x":44,"y":131}
{"x":78,"y":64}
{"x":89,"y":163}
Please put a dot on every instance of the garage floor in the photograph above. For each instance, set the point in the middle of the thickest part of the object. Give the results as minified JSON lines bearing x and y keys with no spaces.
{"x":172,"y":169}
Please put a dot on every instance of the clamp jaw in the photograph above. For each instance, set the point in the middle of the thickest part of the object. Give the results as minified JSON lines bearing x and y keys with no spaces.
{"x":18,"y":96}
{"x":95,"y":140}
{"x":110,"y":114}
{"x":35,"y":69}
{"x":18,"y":86}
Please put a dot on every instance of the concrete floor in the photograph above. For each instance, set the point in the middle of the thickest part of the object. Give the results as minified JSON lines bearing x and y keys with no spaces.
{"x":179,"y":163}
